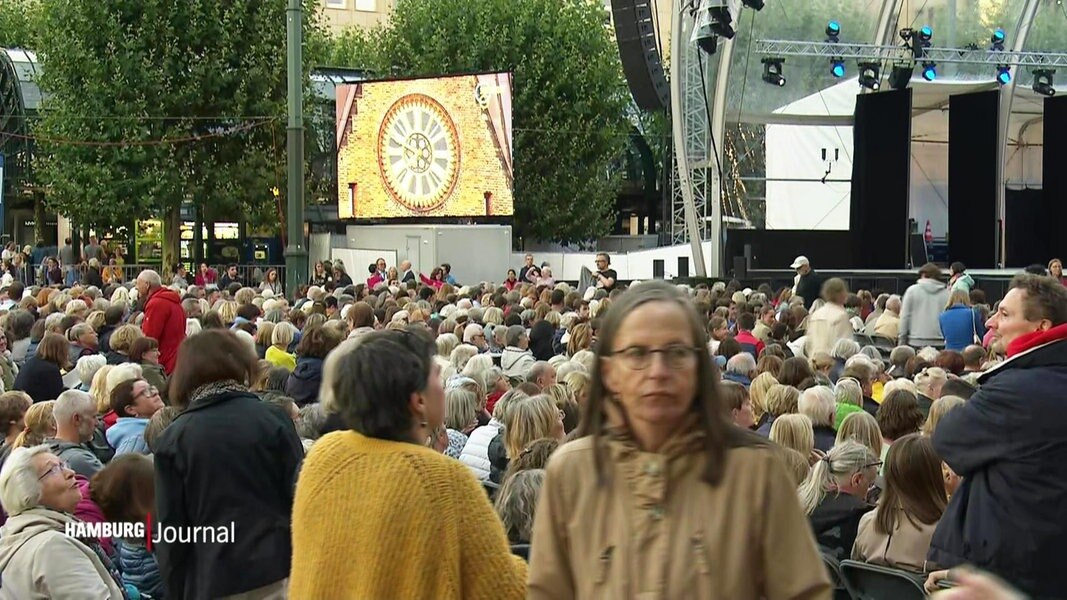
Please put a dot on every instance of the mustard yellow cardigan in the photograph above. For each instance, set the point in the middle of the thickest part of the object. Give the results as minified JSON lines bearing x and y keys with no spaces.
{"x":378,"y":519}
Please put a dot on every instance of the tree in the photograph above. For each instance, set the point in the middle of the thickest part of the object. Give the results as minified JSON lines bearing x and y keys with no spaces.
{"x":154,"y":102}
{"x":569,"y":98}
{"x":18,"y":22}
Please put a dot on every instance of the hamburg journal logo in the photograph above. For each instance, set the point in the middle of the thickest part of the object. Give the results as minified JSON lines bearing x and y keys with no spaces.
{"x":153,"y":533}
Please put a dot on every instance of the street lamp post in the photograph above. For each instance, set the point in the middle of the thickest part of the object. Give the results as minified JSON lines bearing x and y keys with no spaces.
{"x":296,"y":254}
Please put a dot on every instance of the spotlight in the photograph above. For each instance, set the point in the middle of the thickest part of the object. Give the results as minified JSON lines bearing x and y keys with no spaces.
{"x":900,"y":76}
{"x":1003,"y":74}
{"x":920,"y":41}
{"x":870,"y":75}
{"x":929,"y":71}
{"x":998,"y":40}
{"x":837,"y":67}
{"x":1043,"y":82}
{"x":721,"y":21}
{"x":753,"y":4}
{"x":833,"y":32}
{"x":772,"y":71}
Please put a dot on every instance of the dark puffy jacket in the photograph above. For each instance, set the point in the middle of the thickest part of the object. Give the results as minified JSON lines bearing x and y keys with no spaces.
{"x":303,"y":383}
{"x":1007,"y":442}
{"x":139,"y":568}
{"x":835,"y":522}
{"x":40,"y":379}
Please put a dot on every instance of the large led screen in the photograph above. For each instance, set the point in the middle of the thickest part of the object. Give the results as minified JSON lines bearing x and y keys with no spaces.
{"x":437,"y":147}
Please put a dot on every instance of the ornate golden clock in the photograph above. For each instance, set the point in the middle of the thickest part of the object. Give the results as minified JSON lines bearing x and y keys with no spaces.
{"x":418,"y":152}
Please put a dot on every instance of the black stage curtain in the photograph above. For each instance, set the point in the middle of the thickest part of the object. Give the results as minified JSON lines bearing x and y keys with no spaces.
{"x":1027,"y":228}
{"x":1054,"y":175}
{"x":879,"y":210}
{"x":972,"y":179}
{"x":776,"y":248}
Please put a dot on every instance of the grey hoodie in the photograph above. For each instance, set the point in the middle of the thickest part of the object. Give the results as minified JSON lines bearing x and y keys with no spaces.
{"x":923,"y":304}
{"x":81,"y":460}
{"x":516,"y":362}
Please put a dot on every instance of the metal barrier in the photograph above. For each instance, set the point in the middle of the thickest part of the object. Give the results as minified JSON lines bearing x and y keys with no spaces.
{"x":249,"y":275}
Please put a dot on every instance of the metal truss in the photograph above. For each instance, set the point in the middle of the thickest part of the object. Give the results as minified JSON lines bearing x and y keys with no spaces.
{"x":695,"y":119}
{"x":902,"y":53}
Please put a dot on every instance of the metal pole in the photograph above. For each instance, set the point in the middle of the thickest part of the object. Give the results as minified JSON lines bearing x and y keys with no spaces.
{"x":681,"y":153}
{"x":296,"y":254}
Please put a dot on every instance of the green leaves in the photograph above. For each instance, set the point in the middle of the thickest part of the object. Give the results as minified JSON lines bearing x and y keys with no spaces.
{"x":569,"y":98}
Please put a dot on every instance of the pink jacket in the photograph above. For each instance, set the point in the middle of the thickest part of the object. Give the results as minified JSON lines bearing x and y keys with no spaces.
{"x":89,"y":512}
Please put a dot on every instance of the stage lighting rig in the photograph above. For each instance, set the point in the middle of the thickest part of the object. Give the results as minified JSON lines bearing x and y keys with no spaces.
{"x":753,"y":4}
{"x":772,"y":71}
{"x":997,"y":45}
{"x":1003,"y":74}
{"x":1044,"y":83}
{"x":870,"y":75}
{"x":900,"y":75}
{"x":833,"y":36}
{"x":929,"y":71}
{"x":997,"y":40}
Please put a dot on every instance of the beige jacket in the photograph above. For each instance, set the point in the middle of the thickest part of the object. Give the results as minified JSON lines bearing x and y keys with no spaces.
{"x":825,"y":326}
{"x":905,"y":549}
{"x":888,"y":325}
{"x":655,"y":530}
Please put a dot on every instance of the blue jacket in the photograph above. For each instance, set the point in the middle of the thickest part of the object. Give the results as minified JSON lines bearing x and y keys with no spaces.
{"x":1009,"y":516}
{"x":303,"y":383}
{"x":959,"y":325}
{"x":127,"y":435}
{"x":737,"y":378}
{"x":139,"y":568}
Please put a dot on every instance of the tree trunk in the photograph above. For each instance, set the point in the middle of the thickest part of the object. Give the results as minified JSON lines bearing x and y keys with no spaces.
{"x":172,"y":221}
{"x":38,"y":217}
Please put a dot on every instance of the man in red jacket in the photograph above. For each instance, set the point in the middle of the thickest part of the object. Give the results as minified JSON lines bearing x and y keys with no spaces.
{"x":164,"y":319}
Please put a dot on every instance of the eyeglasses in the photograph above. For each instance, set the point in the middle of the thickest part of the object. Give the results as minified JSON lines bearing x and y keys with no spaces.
{"x":873,"y":464}
{"x":149,"y":392}
{"x":639,"y":358}
{"x":57,"y":468}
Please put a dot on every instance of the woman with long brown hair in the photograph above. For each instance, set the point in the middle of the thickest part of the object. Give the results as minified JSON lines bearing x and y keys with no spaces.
{"x":655,"y":497}
{"x":898,"y":533}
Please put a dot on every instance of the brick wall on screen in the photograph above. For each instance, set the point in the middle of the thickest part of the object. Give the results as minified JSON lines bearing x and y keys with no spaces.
{"x":481,"y":168}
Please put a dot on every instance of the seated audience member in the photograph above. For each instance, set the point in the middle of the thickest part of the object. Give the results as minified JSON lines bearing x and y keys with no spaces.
{"x":422,"y":509}
{"x":781,"y":400}
{"x":516,"y":503}
{"x":844,"y":349}
{"x":817,"y":404}
{"x":740,"y":368}
{"x":749,"y":342}
{"x":42,"y":375}
{"x":534,"y":456}
{"x":897,"y":534}
{"x":280,"y":339}
{"x":793,"y":431}
{"x":125,"y":492}
{"x":529,"y":419}
{"x":315,"y":343}
{"x":973,"y":357}
{"x":39,"y":560}
{"x":951,"y":361}
{"x":899,"y":358}
{"x":145,"y":352}
{"x":862,"y":373}
{"x":135,"y":401}
{"x":798,"y":465}
{"x":898,"y":416}
{"x":848,"y":396}
{"x":834,"y":496}
{"x":929,"y":382}
{"x":75,"y":416}
{"x":757,"y":393}
{"x":736,"y":399}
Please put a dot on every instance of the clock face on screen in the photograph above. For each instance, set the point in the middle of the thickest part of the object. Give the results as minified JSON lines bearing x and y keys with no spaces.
{"x":418,"y":152}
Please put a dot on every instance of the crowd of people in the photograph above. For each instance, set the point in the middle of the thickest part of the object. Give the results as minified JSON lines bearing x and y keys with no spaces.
{"x":406,"y":436}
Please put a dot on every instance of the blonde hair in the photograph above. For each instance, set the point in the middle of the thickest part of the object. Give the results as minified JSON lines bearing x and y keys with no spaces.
{"x":794,"y":431}
{"x":578,"y":383}
{"x":930,"y":378}
{"x":120,"y":373}
{"x":122,"y":338}
{"x":493,"y":316}
{"x":98,"y":389}
{"x":516,"y":502}
{"x":461,"y":408}
{"x":842,"y":461}
{"x":757,"y":393}
{"x":529,"y":419}
{"x":782,"y":399}
{"x":939,"y":409}
{"x":797,"y":464}
{"x":863,"y":428}
{"x":446,"y":343}
{"x":461,"y":354}
{"x":244,"y":296}
{"x":228,"y":312}
{"x":76,"y":307}
{"x":818,"y":404}
{"x":477,"y":365}
{"x":821,"y":361}
{"x":95,"y":319}
{"x":958,"y":296}
{"x":503,"y":406}
{"x":900,"y":384}
{"x":40,"y":425}
{"x":586,"y":358}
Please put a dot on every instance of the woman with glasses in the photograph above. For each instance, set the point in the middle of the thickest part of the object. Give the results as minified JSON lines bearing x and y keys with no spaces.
{"x":834,"y":495}
{"x":421,"y":526}
{"x":134,"y":401}
{"x":656,"y":496}
{"x":898,"y":533}
{"x":38,"y":559}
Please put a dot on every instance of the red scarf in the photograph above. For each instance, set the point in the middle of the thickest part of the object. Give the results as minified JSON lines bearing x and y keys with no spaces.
{"x":1036,"y":338}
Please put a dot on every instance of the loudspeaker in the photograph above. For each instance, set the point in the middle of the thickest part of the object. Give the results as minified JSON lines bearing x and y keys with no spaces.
{"x":635,"y":33}
{"x":683,"y":267}
{"x":657,"y":268}
{"x":740,"y":268}
{"x":918,"y":250}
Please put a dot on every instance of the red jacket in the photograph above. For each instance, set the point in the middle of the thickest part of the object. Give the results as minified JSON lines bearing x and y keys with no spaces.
{"x":164,"y":320}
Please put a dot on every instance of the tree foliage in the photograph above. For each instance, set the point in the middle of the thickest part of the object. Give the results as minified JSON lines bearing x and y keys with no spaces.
{"x":18,"y":23}
{"x":154,"y":102}
{"x":569,"y":95}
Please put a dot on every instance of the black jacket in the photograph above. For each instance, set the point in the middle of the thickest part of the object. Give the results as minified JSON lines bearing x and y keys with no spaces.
{"x":304,"y":382}
{"x":1009,"y":516}
{"x":835,"y":522}
{"x":92,"y":277}
{"x":229,"y":458}
{"x":825,"y":437}
{"x":40,"y":379}
{"x":809,"y":287}
{"x":105,"y":338}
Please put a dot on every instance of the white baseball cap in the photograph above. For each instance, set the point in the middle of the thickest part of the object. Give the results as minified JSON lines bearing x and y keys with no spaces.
{"x":799,"y":262}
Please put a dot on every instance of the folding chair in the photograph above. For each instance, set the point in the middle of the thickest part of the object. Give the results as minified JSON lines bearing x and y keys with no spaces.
{"x":863,"y":339}
{"x":875,"y":582}
{"x":833,"y":567}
